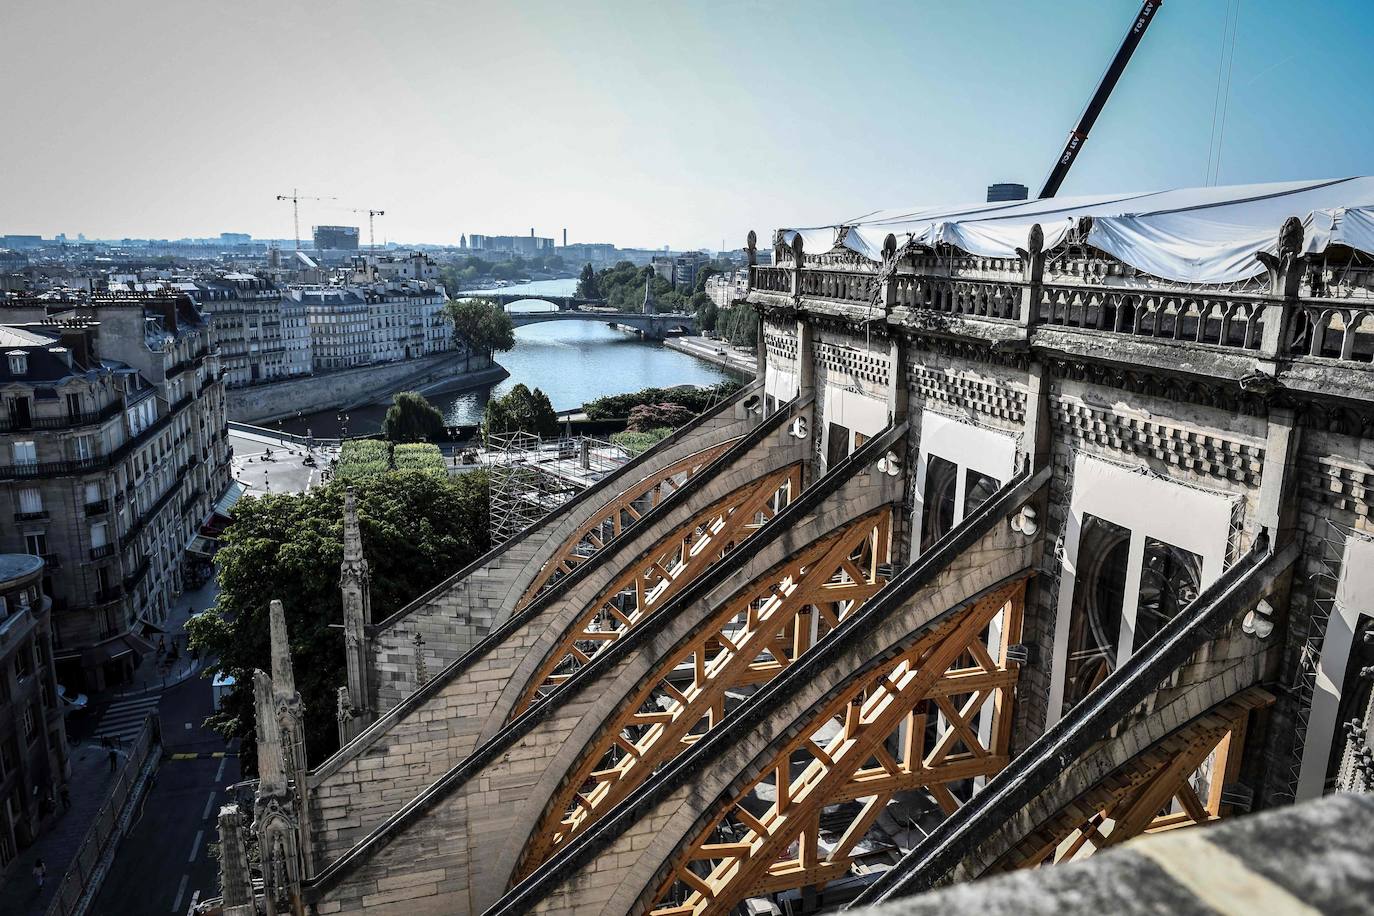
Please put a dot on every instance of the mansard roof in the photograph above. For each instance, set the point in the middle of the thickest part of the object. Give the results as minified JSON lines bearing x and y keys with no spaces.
{"x":1191,"y":235}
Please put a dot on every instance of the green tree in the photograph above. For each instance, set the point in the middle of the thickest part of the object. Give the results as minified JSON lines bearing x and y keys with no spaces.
{"x":520,"y":410}
{"x":418,"y":528}
{"x":482,"y":323}
{"x":587,"y":287}
{"x":411,"y":418}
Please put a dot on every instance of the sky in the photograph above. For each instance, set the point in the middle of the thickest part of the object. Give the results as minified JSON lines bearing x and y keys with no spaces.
{"x":643,"y":123}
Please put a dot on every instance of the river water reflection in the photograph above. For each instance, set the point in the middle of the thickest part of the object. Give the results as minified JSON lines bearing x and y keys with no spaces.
{"x":572,"y":361}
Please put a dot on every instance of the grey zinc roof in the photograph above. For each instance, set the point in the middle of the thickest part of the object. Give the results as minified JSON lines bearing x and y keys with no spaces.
{"x":12,"y":336}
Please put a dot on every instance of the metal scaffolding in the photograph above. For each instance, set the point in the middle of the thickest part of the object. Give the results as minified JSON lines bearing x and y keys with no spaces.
{"x":531,"y":477}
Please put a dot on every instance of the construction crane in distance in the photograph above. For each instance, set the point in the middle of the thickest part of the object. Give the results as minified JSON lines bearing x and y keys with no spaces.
{"x":371,"y":236}
{"x":1079,"y":135}
{"x":296,"y":198}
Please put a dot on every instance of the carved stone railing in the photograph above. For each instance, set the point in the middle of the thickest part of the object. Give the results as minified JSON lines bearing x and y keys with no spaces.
{"x":844,"y":285}
{"x":949,"y":296}
{"x":1227,"y":321}
{"x":770,"y":279}
{"x":1302,"y":307}
{"x":1332,"y":329}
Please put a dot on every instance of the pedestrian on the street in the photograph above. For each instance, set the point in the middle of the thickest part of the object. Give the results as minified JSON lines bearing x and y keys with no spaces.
{"x":161,"y":646}
{"x":114,"y":759}
{"x":66,"y":794}
{"x":40,"y":871}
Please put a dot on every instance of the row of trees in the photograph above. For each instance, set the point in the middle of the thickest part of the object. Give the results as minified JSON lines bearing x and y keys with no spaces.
{"x":622,"y":286}
{"x":695,"y":400}
{"x":471,"y":269}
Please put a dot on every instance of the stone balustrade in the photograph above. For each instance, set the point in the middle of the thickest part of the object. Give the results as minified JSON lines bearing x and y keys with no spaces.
{"x":1327,"y":315}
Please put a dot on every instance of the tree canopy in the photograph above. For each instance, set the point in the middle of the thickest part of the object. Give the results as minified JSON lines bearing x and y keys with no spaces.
{"x":417,"y":530}
{"x":482,"y":323}
{"x":587,"y":287}
{"x":471,"y":269}
{"x":520,"y":410}
{"x":412,"y":418}
{"x":696,"y":400}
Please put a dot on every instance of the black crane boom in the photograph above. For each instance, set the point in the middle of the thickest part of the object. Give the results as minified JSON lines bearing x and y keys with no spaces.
{"x":1079,"y":135}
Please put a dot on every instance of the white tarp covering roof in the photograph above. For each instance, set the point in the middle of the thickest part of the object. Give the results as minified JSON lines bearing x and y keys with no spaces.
{"x":1190,"y":235}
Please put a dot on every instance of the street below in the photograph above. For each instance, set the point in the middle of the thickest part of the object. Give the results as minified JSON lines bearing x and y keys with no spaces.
{"x":164,"y":861}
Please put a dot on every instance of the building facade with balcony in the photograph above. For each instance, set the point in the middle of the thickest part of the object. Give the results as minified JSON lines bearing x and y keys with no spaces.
{"x":262,"y":335}
{"x":33,"y":741}
{"x":113,"y":450}
{"x":340,"y":324}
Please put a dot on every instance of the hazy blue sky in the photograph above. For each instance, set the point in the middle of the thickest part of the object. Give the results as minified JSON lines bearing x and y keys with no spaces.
{"x":640,"y":123}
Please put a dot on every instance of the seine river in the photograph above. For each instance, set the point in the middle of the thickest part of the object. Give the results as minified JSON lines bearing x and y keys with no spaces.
{"x":573,"y":361}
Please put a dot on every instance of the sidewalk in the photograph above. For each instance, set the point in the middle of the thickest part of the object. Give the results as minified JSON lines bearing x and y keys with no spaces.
{"x":91,"y":777}
{"x":57,"y":846}
{"x":154,"y":674}
{"x":715,"y":351}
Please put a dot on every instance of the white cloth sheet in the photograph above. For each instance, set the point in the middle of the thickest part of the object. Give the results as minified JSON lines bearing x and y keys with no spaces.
{"x":1189,"y":235}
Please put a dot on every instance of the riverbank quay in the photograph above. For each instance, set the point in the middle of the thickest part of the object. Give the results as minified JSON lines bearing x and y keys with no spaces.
{"x":717,"y":352}
{"x":346,"y":389}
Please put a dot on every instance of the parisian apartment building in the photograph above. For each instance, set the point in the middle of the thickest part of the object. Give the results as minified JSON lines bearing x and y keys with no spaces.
{"x":381,"y":321}
{"x":113,"y":452}
{"x":34,"y":764}
{"x":262,"y":335}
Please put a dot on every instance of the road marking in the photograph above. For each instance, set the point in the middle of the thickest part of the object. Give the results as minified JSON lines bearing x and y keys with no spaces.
{"x":219,"y":774}
{"x":195,"y":847}
{"x":176,"y":904}
{"x":195,"y":898}
{"x":209,"y":802}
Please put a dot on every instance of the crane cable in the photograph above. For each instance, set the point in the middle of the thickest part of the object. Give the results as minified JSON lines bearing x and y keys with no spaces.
{"x":1221,"y":102}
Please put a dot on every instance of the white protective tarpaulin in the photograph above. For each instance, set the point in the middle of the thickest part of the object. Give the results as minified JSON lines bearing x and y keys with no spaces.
{"x":1189,"y":235}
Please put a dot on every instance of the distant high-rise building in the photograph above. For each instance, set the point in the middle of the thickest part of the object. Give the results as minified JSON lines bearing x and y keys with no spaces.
{"x":336,"y":238}
{"x":235,"y":238}
{"x":1007,"y":190}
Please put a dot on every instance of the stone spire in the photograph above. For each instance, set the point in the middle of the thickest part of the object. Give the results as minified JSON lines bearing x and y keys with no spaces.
{"x":648,"y":305}
{"x":271,"y":765}
{"x":354,"y":587}
{"x":235,"y":879}
{"x":283,"y":675}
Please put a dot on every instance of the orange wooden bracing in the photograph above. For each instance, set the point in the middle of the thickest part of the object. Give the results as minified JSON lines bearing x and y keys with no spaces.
{"x":753,"y":637}
{"x":910,"y":724}
{"x":619,"y":513}
{"x":1176,"y":782}
{"x":655,"y":577}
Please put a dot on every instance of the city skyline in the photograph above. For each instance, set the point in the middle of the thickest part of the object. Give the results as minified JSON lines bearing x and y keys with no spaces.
{"x":434,"y":124}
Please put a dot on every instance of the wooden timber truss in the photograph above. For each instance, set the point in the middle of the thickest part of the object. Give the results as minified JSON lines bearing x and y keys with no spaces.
{"x":618,"y":514}
{"x":1176,"y":782}
{"x":912,"y":724}
{"x":753,"y":637}
{"x":655,"y":577}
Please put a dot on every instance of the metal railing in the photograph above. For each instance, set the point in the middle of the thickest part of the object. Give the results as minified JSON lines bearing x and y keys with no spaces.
{"x":81,"y":880}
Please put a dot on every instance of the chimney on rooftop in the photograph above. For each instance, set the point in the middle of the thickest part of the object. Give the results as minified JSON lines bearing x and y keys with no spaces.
{"x":167,"y":308}
{"x":77,"y":339}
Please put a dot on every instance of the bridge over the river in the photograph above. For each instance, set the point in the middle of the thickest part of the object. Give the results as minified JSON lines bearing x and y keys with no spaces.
{"x":651,"y":326}
{"x":564,"y":303}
